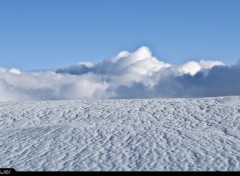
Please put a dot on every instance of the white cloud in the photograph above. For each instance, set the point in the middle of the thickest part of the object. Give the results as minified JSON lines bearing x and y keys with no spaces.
{"x":49,"y":86}
{"x":127,"y":75}
{"x":15,"y":71}
{"x":193,"y":67}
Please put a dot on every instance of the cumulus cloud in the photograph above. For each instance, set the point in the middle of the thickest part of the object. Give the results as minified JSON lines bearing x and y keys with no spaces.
{"x":50,"y":86}
{"x":127,"y":75}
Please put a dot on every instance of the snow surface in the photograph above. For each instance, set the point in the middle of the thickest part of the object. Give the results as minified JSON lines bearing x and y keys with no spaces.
{"x":147,"y":135}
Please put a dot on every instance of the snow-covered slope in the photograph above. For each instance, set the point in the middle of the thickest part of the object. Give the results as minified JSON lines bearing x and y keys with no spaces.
{"x":153,"y":134}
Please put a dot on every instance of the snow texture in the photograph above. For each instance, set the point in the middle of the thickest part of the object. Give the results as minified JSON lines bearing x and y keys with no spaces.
{"x":118,"y":135}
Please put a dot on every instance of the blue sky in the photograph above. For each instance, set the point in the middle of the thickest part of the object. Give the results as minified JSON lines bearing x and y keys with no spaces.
{"x":45,"y":34}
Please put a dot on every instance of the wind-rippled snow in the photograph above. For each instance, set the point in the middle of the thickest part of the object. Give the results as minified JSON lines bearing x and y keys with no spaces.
{"x":101,"y":135}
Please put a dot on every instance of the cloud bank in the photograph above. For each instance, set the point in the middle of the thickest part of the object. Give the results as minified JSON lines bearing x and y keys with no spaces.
{"x":127,"y":75}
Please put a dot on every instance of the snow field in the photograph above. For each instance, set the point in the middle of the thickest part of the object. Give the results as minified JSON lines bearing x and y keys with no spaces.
{"x":117,"y":135}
